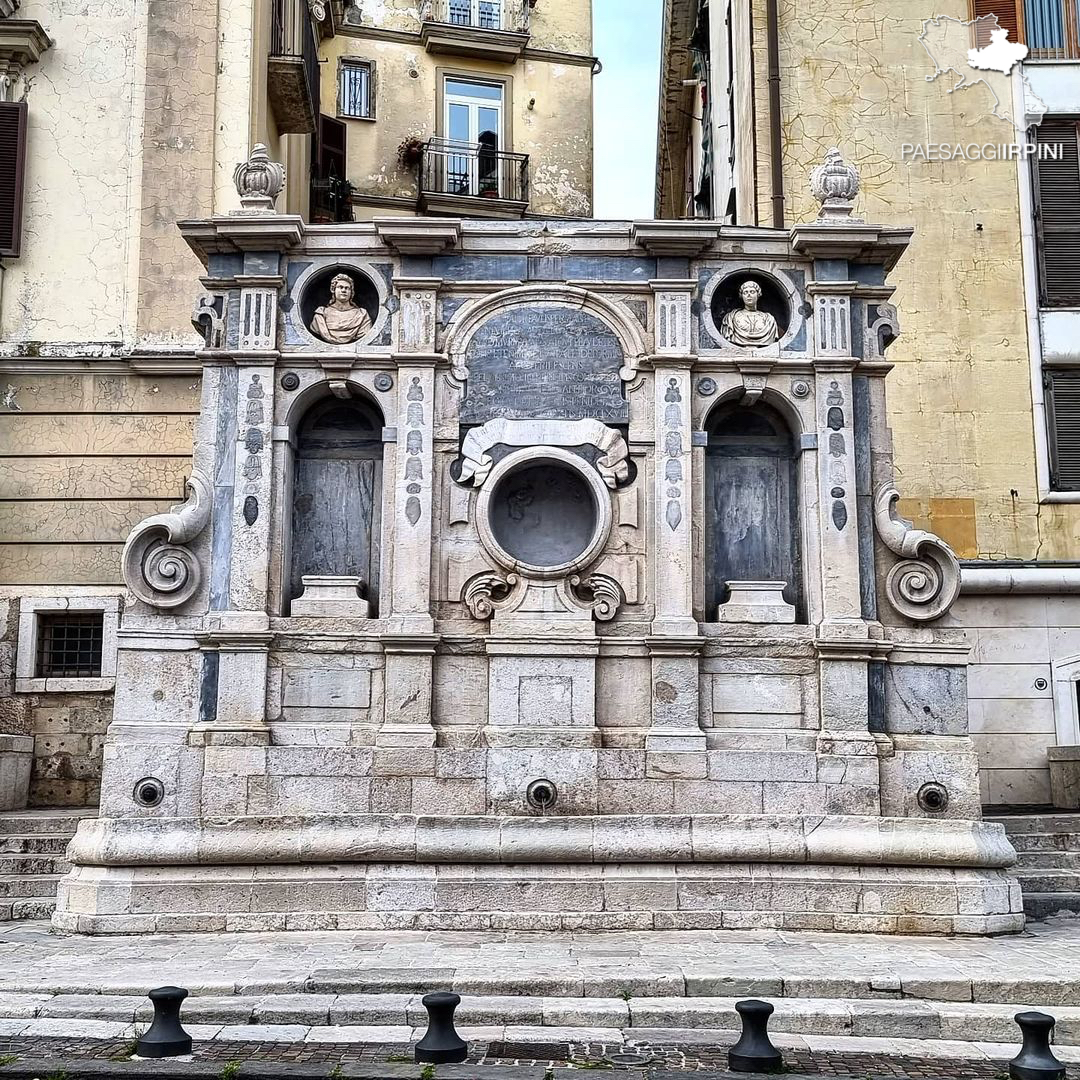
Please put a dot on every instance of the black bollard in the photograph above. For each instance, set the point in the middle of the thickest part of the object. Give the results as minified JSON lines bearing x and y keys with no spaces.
{"x":1036,"y":1060}
{"x":166,"y":1038}
{"x":754,"y":1053}
{"x":441,"y":1044}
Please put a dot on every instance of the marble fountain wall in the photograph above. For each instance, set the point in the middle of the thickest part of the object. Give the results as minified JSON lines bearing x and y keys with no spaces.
{"x":543,"y":605}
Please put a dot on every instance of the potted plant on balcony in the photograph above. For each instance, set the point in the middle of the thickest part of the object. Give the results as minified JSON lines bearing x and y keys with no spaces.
{"x":489,"y":189}
{"x":411,"y":151}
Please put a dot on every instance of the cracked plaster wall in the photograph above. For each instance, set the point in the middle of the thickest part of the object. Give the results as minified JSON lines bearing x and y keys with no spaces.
{"x":853,"y":75}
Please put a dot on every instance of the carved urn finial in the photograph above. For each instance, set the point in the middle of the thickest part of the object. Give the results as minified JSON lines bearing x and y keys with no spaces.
{"x":835,"y":184}
{"x":258,"y":181}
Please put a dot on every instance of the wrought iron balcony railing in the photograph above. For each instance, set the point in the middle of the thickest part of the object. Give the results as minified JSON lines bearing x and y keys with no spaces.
{"x":473,"y":170}
{"x":293,"y":67}
{"x":512,"y":15}
{"x":331,"y":200}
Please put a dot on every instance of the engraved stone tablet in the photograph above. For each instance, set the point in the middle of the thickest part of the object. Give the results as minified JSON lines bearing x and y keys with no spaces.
{"x":544,"y":363}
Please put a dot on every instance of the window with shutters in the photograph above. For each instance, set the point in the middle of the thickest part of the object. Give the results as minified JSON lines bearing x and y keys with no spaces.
{"x":12,"y":169}
{"x":356,"y":89}
{"x":1063,"y":420}
{"x":1057,"y":192}
{"x":1010,"y":16}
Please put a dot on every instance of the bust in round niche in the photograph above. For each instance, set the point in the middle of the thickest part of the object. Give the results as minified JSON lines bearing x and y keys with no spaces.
{"x":750,"y":310}
{"x":340,"y":320}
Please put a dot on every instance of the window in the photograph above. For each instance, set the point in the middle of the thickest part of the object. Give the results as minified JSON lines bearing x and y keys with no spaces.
{"x":356,"y":89}
{"x":474,"y":127}
{"x":12,"y":167}
{"x":1063,"y":421}
{"x":483,"y":13}
{"x":1008,"y":14}
{"x":1051,"y":27}
{"x":69,"y":646}
{"x":1057,"y":193}
{"x":66,"y":643}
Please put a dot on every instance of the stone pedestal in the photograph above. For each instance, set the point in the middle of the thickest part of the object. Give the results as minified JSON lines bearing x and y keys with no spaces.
{"x":1064,"y":776}
{"x":16,"y":761}
{"x":756,"y":602}
{"x":330,"y":598}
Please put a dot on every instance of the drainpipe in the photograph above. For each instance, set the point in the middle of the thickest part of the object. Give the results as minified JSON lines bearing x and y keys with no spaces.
{"x":772,"y":30}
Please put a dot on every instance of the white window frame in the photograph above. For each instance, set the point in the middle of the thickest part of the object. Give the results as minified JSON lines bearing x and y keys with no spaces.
{"x":31,"y":608}
{"x":356,"y":62}
{"x":1065,"y":679}
{"x":474,"y":13}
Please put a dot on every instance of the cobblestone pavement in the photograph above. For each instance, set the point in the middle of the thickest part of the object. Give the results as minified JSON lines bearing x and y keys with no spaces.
{"x":646,"y":1060}
{"x":1042,"y":965}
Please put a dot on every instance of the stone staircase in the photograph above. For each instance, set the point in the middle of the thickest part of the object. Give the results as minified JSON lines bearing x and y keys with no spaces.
{"x":32,"y":846}
{"x":1048,"y":845}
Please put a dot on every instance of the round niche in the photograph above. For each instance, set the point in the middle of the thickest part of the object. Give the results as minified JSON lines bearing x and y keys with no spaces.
{"x":318,"y":292}
{"x":774,"y":300}
{"x":546,"y":513}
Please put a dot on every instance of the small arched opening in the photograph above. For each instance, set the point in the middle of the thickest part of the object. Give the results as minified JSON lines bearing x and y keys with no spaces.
{"x":337,"y":495}
{"x":751,"y":503}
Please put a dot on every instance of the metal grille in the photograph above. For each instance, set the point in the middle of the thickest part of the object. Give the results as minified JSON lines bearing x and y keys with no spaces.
{"x":354,"y":90}
{"x":1052,"y":29}
{"x":69,"y":646}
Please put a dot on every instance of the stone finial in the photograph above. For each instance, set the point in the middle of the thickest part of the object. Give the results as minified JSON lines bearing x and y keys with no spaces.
{"x":258,"y":182}
{"x":835,"y":184}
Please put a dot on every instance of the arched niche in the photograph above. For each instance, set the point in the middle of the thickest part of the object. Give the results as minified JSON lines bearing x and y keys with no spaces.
{"x":751,"y":503}
{"x":337,"y":494}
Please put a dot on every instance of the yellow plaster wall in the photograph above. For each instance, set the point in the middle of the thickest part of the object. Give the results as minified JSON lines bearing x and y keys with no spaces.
{"x":82,"y":175}
{"x":854,"y":76}
{"x":550,"y":118}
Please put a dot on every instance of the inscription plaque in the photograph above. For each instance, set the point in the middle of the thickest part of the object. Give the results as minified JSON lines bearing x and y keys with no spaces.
{"x":544,"y":363}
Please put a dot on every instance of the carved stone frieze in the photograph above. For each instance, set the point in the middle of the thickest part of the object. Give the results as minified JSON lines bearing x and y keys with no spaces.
{"x":925,"y":582}
{"x":159,"y":567}
{"x":476,"y":464}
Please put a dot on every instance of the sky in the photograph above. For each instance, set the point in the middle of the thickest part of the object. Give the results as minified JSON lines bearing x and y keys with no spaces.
{"x":626,"y":37}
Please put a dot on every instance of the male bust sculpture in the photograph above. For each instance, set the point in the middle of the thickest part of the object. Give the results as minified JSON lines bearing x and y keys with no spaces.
{"x":341,"y":322}
{"x":747,"y":325}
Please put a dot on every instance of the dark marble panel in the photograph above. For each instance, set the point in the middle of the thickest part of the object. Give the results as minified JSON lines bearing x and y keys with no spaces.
{"x":224,"y":481}
{"x":226,"y":265}
{"x":670,"y":268}
{"x":544,"y":362}
{"x":480,"y":267}
{"x":864,"y":501}
{"x":875,"y":684}
{"x":262,"y":262}
{"x":546,"y":268}
{"x":830,"y":270}
{"x":867,"y":273}
{"x":858,"y":325}
{"x":609,"y":268}
{"x":208,"y":687}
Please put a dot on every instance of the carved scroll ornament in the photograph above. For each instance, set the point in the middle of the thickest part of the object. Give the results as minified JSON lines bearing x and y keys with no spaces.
{"x":159,"y":567}
{"x":486,"y":592}
{"x":924,"y":583}
{"x":599,"y":592}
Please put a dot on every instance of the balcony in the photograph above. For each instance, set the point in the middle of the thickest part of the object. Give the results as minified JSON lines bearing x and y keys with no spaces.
{"x":495,"y":30}
{"x":1052,"y":29}
{"x":292,"y":68}
{"x":472,"y":180}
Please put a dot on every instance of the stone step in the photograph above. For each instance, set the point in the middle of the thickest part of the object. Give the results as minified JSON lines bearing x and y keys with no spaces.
{"x":1045,"y":905}
{"x":34,"y":907}
{"x":52,"y":822}
{"x":1015,"y":824}
{"x":1048,"y":842}
{"x":402,"y":1016}
{"x":20,"y":886}
{"x":1049,"y":860}
{"x":30,"y":865}
{"x":34,"y":844}
{"x":1048,"y":880}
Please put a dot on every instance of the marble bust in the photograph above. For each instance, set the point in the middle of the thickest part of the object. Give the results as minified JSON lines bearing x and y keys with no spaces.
{"x":747,"y":325}
{"x":341,"y":322}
